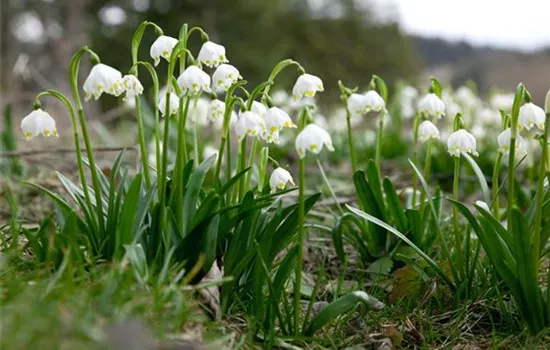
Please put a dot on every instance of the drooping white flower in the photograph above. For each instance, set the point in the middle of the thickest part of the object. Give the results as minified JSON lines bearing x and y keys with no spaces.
{"x":466,"y":97}
{"x":102,"y":79}
{"x":407,"y":98}
{"x":275,"y":120}
{"x":312,"y":138}
{"x":132,"y":86}
{"x":531,"y":115}
{"x":174,"y":104}
{"x":224,"y":76}
{"x":461,"y":141}
{"x":280,"y":97}
{"x":210,"y":150}
{"x":484,"y":206}
{"x":502,"y":101}
{"x":218,"y":123}
{"x":479,"y":131}
{"x":432,"y":106}
{"x":489,"y":116}
{"x":258,"y":108}
{"x":374,"y":102}
{"x":194,"y":80}
{"x":37,"y":123}
{"x":306,"y":85}
{"x":279,"y":178}
{"x":216,"y":110}
{"x":357,"y":104}
{"x":198,"y":112}
{"x":212,"y":54}
{"x":504,"y":140}
{"x":427,"y":130}
{"x":249,"y":123}
{"x":162,"y":47}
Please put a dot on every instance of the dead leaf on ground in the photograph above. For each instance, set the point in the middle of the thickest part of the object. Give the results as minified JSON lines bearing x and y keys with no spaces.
{"x":211,"y":295}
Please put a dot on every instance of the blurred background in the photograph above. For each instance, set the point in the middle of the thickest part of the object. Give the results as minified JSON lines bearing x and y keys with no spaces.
{"x":494,"y":44}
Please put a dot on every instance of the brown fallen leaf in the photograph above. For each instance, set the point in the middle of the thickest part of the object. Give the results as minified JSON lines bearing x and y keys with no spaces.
{"x":211,"y":295}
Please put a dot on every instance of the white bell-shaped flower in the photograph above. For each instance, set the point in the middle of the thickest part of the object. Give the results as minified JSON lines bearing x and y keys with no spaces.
{"x":224,"y":76}
{"x":209,"y":151}
{"x":504,"y":139}
{"x":279,"y":179}
{"x":461,"y":141}
{"x":212,"y":54}
{"x":37,"y":123}
{"x":162,"y":47}
{"x":466,"y":97}
{"x":357,"y":104}
{"x":258,"y":108}
{"x":427,"y":130}
{"x":249,"y":123}
{"x":198,"y":112}
{"x":502,"y":101}
{"x":432,"y":106}
{"x":132,"y":86}
{"x":216,"y":109}
{"x":312,"y":138}
{"x":306,"y":85}
{"x":374,"y":102}
{"x":488,"y":116}
{"x":194,"y":80}
{"x":174,"y":104}
{"x":484,"y":206}
{"x":531,"y":115}
{"x":275,"y":120}
{"x":102,"y":79}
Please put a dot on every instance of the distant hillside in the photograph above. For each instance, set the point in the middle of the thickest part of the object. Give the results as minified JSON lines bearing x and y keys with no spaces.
{"x":458,"y":62}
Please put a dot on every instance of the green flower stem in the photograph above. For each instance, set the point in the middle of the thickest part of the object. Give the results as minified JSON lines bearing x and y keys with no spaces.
{"x":228,"y":165}
{"x":166,"y":138}
{"x":154,"y":78}
{"x":180,"y":158}
{"x":279,"y":67}
{"x":350,"y":137}
{"x":535,"y":240}
{"x":495,"y":203}
{"x":380,"y":132}
{"x":225,"y":138}
{"x":415,"y":156}
{"x":518,"y":100}
{"x":251,"y":160}
{"x":427,"y":167}
{"x":138,"y":35}
{"x":195,"y":137}
{"x":142,"y":145}
{"x":301,"y":234}
{"x":458,"y":235}
{"x":59,"y":96}
{"x":331,"y":190}
{"x":241,"y":165}
{"x":164,"y":163}
{"x":74,"y":66}
{"x":304,"y":116}
{"x":136,"y":42}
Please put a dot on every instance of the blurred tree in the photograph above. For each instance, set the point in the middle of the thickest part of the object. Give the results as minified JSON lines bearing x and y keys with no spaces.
{"x":335,"y":41}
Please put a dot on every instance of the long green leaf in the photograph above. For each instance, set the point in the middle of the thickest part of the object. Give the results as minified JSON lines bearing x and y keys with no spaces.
{"x":192,"y":192}
{"x":480,"y":177}
{"x":378,"y":222}
{"x":339,"y":307}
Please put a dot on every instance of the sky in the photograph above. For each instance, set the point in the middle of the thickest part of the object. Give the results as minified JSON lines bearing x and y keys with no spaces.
{"x":523,"y":25}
